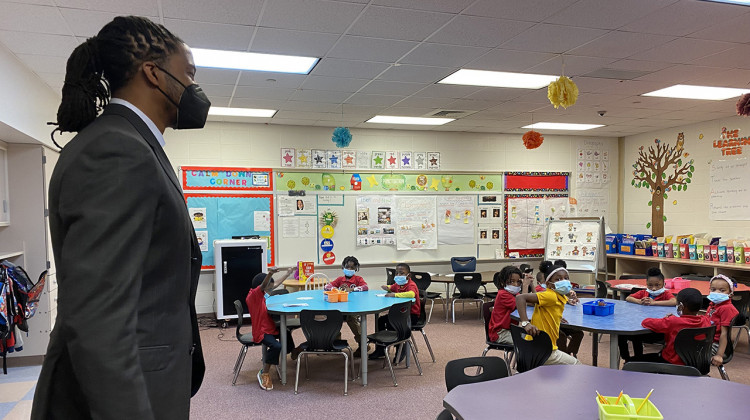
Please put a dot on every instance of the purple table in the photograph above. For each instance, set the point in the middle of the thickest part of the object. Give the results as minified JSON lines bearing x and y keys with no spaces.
{"x":567,"y":392}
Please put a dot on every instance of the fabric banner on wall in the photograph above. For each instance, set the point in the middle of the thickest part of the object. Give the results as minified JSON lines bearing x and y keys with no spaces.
{"x":416,"y":223}
{"x":455,"y":215}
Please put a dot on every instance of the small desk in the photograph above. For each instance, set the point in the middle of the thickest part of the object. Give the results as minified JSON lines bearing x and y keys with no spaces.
{"x":360,"y":303}
{"x":569,"y":394}
{"x":625,"y":321}
{"x":702,"y":286}
{"x":293,"y":285}
{"x":447,"y":279}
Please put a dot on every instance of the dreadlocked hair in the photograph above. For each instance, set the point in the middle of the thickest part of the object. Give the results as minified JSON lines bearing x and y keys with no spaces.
{"x":352,"y":259}
{"x":105,"y":63}
{"x":501,"y":278}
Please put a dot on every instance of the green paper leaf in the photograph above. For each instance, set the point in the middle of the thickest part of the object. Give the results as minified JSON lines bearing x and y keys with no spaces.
{"x":679,"y":162}
{"x":688,"y":180}
{"x":684,"y":187}
{"x":653,"y":176}
{"x":648,"y":225}
{"x":664,"y":176}
{"x":665,"y":195}
{"x":644,"y":183}
{"x":692,"y":168}
{"x":690,"y":174}
{"x":632,"y":182}
{"x":665,"y":218}
{"x":650,"y":202}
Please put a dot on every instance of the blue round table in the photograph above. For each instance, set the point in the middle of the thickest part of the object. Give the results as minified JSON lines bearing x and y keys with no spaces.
{"x":625,"y":321}
{"x":360,"y":303}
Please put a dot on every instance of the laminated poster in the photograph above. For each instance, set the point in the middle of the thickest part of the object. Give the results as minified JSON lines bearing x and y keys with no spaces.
{"x":416,"y":223}
{"x":375,"y":224}
{"x":456,"y":222}
{"x":202,"y":236}
{"x":262,"y":220}
{"x":198,"y":217}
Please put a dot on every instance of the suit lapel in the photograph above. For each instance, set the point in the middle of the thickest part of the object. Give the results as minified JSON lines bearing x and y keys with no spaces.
{"x":146,"y":133}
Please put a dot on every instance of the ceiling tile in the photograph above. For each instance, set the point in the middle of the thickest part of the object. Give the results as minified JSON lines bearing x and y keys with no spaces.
{"x":620,"y":44}
{"x":324,"y":96}
{"x":383,"y":87}
{"x":131,"y":7}
{"x":241,"y":12}
{"x":87,"y":23}
{"x":443,"y":55}
{"x":38,"y":43}
{"x":216,"y":76}
{"x":554,"y":39}
{"x":471,"y":104}
{"x":728,"y":78}
{"x":374,"y":100}
{"x":638,"y":65}
{"x":211,"y":35}
{"x":527,"y":10}
{"x":311,"y":106}
{"x":606,"y":14}
{"x":397,"y":23}
{"x":733,"y":30}
{"x":419,"y":74}
{"x":271,"y":80}
{"x":333,"y":67}
{"x":685,"y":17}
{"x":219,"y":100}
{"x":310,"y":15}
{"x":418,"y":102}
{"x":371,"y":49}
{"x":218,"y":90}
{"x":253,"y":92}
{"x":496,"y":94}
{"x":680,"y":73}
{"x":32,"y":18}
{"x":44,"y":63}
{"x":447,"y":6}
{"x":478,"y":31}
{"x":683,"y":50}
{"x":338,"y":84}
{"x":284,"y":41}
{"x":439,"y":90}
{"x":574,"y":65}
{"x":257,"y":103}
{"x":408,"y":111}
{"x":739,"y":57}
{"x":509,"y":60}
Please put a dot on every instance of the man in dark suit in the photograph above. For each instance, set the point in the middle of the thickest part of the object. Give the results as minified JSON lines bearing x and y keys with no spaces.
{"x":126,"y":343}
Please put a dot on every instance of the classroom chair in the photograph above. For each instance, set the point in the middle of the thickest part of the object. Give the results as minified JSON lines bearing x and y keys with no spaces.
{"x":728,"y":354}
{"x":292,"y":323}
{"x":661,"y":368}
{"x":530,"y":353}
{"x":507,"y":349}
{"x":245,"y":339}
{"x":321,"y":329}
{"x":421,"y":323}
{"x":317,"y":281}
{"x":601,"y":290}
{"x":400,"y":319}
{"x":467,"y":285}
{"x":390,"y":273}
{"x":488,"y":369}
{"x":463,"y":264}
{"x":693,"y":345}
{"x":741,"y":301}
{"x":423,"y":281}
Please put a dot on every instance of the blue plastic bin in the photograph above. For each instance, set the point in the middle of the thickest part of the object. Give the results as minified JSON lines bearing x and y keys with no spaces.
{"x":593,"y":308}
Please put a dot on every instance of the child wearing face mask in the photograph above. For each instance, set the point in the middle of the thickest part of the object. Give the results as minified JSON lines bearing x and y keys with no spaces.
{"x":548,"y":311}
{"x":403,"y":287}
{"x":264,"y":329}
{"x":688,"y":304}
{"x":355,"y":283}
{"x":570,"y":339}
{"x":721,"y":312}
{"x":509,"y":284}
{"x":655,"y":295}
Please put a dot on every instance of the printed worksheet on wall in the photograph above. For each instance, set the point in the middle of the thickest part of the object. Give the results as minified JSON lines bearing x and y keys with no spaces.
{"x":416,"y":223}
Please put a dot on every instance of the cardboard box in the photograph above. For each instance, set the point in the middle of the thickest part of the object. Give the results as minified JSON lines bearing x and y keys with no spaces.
{"x":714,"y":253}
{"x":699,"y":249}
{"x":684,"y":251}
{"x":668,"y":250}
{"x":722,"y":251}
{"x":693,"y":252}
{"x":676,"y":250}
{"x":654,"y":249}
{"x":660,"y":250}
{"x":730,"y":253}
{"x":739,"y":255}
{"x":747,"y":255}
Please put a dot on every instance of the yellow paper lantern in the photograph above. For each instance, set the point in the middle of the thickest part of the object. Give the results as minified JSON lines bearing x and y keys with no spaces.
{"x":562,"y":92}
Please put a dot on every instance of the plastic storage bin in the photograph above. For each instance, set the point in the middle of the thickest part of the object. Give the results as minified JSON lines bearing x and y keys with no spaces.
{"x":625,"y":410}
{"x":678,"y":283}
{"x":593,"y":308}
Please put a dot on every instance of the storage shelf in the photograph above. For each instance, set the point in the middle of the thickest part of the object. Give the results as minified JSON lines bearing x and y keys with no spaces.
{"x":6,"y":255}
{"x":638,"y":264}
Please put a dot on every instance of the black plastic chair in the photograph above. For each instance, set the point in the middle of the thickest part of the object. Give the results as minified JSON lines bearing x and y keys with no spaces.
{"x":468,"y":286}
{"x":245,"y":339}
{"x":507,"y":349}
{"x":292,"y":323}
{"x":423,"y":281}
{"x":661,"y":368}
{"x":530,"y":353}
{"x":631,"y":276}
{"x":321,"y":329}
{"x":421,"y":323}
{"x":728,"y":353}
{"x":390,"y":274}
{"x":693,"y":345}
{"x":463,"y":264}
{"x":400,"y":319}
{"x":601,"y":290}
{"x":488,"y":368}
{"x":741,"y":301}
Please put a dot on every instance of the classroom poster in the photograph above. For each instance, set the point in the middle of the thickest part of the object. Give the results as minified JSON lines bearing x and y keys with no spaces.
{"x":375,"y":224}
{"x":198,"y":217}
{"x":573,"y":240}
{"x":290,"y":227}
{"x":456,"y":221}
{"x":416,"y":223}
{"x":202,"y":236}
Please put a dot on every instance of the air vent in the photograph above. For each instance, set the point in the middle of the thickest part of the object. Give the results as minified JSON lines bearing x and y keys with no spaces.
{"x":605,"y":73}
{"x":449,"y":113}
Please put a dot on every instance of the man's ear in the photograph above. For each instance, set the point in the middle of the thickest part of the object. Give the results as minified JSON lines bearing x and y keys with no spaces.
{"x":150,"y":72}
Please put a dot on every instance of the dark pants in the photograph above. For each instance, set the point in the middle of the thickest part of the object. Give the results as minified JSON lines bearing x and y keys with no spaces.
{"x":383,"y":323}
{"x":273,"y":347}
{"x":569,"y":340}
{"x":650,"y":357}
{"x":638,"y":340}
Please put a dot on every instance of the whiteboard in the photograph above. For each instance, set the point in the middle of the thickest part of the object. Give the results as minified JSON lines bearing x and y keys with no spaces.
{"x":577,"y":241}
{"x":729,"y":196}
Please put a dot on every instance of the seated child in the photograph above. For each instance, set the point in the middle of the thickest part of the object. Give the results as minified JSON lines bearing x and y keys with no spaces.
{"x":509,"y":284}
{"x":548,"y":311}
{"x":264,"y":329}
{"x":721,"y":312}
{"x":656,"y":295}
{"x":570,"y":339}
{"x":541,"y":283}
{"x":404,"y":287}
{"x":355,"y":283}
{"x":688,"y":304}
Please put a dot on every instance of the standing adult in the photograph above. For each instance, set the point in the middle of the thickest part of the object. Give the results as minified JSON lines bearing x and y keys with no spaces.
{"x":126,"y":342}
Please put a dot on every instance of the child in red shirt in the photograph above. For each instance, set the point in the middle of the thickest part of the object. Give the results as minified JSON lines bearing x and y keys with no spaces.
{"x":403,"y":287}
{"x":264,"y":329}
{"x":509,"y":284}
{"x":655,"y":294}
{"x":688,"y":304}
{"x":721,"y":312}
{"x":354,"y":283}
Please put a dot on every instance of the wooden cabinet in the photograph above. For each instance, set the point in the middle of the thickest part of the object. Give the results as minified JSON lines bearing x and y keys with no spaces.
{"x":620,"y":264}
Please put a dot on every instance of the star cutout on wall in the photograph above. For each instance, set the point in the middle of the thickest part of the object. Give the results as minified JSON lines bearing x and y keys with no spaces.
{"x":318,"y":159}
{"x":405,"y":160}
{"x":420,"y":160}
{"x":334,"y":159}
{"x":378,"y":160}
{"x":349,"y":159}
{"x":287,"y":158}
{"x":303,"y":158}
{"x":433,"y":161}
{"x":392,"y":160}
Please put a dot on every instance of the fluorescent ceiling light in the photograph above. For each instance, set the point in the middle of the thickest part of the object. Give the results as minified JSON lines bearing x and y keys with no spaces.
{"x":498,"y":79}
{"x":562,"y":126}
{"x":740,"y":2}
{"x":241,"y":112}
{"x":386,"y":119}
{"x":698,"y":92}
{"x":237,"y":60}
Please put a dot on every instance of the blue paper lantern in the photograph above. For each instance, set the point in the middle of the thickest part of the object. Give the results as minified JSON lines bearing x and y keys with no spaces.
{"x":341,"y":136}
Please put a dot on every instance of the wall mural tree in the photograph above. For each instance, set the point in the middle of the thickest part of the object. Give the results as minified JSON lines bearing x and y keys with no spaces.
{"x":662,"y":169}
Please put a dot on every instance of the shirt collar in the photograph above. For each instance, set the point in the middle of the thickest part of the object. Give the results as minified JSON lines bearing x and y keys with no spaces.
{"x":150,"y":124}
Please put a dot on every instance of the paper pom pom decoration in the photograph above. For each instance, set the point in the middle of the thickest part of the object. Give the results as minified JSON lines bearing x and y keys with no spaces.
{"x":341,"y":136}
{"x":743,"y":105}
{"x":562,"y":92}
{"x":532,"y":139}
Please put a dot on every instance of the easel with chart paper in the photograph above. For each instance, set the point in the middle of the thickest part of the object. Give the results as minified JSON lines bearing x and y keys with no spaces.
{"x":579,"y":241}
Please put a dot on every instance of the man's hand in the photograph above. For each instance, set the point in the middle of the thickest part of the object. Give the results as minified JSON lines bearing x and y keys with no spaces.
{"x":531,"y":330}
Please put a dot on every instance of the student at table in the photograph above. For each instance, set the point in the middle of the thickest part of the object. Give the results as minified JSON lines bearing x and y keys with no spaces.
{"x":721,"y":312}
{"x":403,"y":287}
{"x":351,"y":281}
{"x":570,"y":339}
{"x":655,"y":294}
{"x":509,"y":284}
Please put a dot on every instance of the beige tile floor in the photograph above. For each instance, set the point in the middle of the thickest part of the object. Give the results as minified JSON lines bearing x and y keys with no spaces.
{"x":17,"y":392}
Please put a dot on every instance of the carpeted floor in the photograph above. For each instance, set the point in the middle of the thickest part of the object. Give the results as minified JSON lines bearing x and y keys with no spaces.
{"x":416,"y":397}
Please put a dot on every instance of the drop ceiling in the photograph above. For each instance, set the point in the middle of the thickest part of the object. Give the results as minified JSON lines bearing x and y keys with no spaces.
{"x":385,"y":56}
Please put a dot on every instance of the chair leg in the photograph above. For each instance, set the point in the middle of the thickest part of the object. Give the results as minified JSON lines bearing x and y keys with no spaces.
{"x":416,"y":359}
{"x":453,"y":310}
{"x":307,"y":367}
{"x":390,"y":366}
{"x":346,"y":373}
{"x":432,"y":304}
{"x":413,"y":341}
{"x":723,"y":373}
{"x":429,"y":347}
{"x":238,"y":364}
{"x":296,"y":376}
{"x":351,"y":360}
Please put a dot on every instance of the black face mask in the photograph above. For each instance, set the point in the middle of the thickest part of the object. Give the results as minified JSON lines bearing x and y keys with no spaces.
{"x":192,"y":110}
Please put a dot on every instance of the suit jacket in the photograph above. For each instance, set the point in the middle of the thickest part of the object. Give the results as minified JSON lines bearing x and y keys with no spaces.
{"x":126,"y":342}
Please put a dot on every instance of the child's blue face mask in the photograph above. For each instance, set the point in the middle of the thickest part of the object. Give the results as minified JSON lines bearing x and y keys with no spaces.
{"x":655,"y":293}
{"x":266,"y":296}
{"x":400,"y":280}
{"x":348,"y":273}
{"x":717,"y":297}
{"x":563,"y":287}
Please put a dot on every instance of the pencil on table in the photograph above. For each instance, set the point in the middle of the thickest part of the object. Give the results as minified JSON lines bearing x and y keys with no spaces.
{"x":644,"y":401}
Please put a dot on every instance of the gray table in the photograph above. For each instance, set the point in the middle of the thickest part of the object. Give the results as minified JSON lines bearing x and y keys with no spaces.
{"x":567,"y":392}
{"x":625,"y":321}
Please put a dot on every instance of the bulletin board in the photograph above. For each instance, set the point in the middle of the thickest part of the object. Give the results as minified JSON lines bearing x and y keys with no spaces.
{"x":526,"y":217}
{"x":226,"y":178}
{"x":579,"y":241}
{"x":222,"y":216}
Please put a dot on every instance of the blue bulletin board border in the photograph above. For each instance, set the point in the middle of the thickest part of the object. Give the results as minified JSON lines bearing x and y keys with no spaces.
{"x":230,"y":215}
{"x":226,"y":178}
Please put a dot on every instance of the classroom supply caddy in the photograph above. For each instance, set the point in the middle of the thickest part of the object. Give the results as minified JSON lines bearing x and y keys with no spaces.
{"x":336,"y":295}
{"x":678,"y":283}
{"x":626,"y":409}
{"x":598,"y":308}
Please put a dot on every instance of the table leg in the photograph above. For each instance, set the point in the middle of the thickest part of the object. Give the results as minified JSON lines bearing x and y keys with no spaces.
{"x":447,"y":299}
{"x":282,"y":333}
{"x":595,"y":348}
{"x":614,"y":352}
{"x":363,"y":347}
